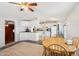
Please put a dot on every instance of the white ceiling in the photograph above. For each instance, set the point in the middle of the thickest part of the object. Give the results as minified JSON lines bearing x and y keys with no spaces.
{"x":44,"y":10}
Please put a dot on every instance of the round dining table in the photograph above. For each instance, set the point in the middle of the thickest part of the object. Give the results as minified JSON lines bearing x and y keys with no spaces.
{"x":60,"y":41}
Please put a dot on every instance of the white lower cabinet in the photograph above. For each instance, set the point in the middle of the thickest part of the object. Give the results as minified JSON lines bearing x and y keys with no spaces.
{"x":33,"y":36}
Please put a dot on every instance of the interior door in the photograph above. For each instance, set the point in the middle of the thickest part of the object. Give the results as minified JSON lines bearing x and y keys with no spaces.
{"x":9,"y":34}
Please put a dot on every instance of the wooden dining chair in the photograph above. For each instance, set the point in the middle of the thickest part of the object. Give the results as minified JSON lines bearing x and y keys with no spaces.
{"x":76,"y":53}
{"x":57,"y":50}
{"x":75,"y":42}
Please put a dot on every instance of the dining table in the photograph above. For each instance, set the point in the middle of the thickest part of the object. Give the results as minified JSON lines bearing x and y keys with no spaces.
{"x":60,"y":41}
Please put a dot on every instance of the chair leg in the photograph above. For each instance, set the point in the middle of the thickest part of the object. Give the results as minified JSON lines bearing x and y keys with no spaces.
{"x":44,"y":52}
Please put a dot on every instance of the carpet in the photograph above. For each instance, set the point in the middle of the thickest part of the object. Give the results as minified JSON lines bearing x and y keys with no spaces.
{"x":23,"y":49}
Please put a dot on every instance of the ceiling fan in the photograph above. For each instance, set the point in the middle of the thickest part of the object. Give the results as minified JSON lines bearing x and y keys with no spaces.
{"x":25,"y":5}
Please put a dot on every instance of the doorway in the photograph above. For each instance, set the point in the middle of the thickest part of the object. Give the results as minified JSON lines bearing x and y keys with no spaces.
{"x":9,"y":32}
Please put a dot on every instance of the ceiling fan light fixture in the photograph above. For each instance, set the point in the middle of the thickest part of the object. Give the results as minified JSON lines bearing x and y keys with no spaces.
{"x":22,"y":6}
{"x":25,"y":5}
{"x":26,"y":8}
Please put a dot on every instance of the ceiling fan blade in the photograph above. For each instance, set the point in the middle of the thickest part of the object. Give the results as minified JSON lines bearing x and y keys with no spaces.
{"x":30,"y":9}
{"x":32,"y":4}
{"x":14,"y":3}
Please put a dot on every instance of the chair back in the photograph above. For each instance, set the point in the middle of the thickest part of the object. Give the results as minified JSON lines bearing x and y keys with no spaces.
{"x":75,"y":42}
{"x":57,"y":50}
